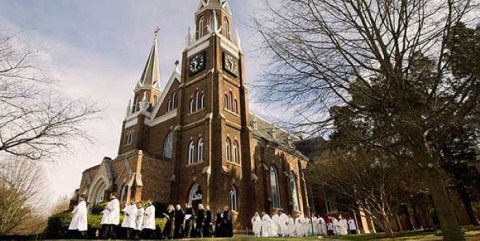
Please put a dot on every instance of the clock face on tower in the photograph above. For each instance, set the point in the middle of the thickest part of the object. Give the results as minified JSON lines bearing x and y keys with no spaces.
{"x":196,"y":63}
{"x":230,"y":64}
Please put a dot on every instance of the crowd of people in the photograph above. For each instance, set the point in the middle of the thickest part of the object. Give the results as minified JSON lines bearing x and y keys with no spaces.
{"x":139,"y":221}
{"x":282,"y":225}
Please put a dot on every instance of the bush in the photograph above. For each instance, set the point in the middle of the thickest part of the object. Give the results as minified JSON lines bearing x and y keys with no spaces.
{"x":160,"y":222}
{"x":58,"y":225}
{"x":98,"y":208}
{"x":439,"y":232}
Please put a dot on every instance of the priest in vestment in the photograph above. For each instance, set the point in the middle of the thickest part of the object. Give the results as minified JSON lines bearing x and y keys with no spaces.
{"x":79,"y":222}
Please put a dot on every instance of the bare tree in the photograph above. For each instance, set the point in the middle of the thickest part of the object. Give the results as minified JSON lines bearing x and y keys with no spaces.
{"x":368,"y":180}
{"x":22,"y":188}
{"x":395,"y":56}
{"x":36,"y":120}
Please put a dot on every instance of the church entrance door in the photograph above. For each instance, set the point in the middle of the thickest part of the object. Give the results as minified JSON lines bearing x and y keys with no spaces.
{"x":195,"y":196}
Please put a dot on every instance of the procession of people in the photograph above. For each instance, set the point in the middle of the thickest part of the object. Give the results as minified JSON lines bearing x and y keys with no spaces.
{"x":282,"y":225}
{"x":139,"y":221}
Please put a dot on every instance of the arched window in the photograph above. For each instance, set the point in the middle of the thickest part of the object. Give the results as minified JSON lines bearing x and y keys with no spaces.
{"x":226,"y":102}
{"x":294,"y":192}
{"x":230,"y":100}
{"x":200,"y":150}
{"x":174,"y":100}
{"x":138,"y":103}
{"x":169,"y":106}
{"x":235,"y":106}
{"x":226,"y":28}
{"x":274,"y":185}
{"x":201,"y":27}
{"x":192,"y":105}
{"x":228,"y":150}
{"x":236,"y":158}
{"x":155,"y":98}
{"x":168,"y":146}
{"x":212,"y":22}
{"x":123,"y":197}
{"x":191,"y":152}
{"x":233,"y":199}
{"x":197,"y":100}
{"x":202,"y":101}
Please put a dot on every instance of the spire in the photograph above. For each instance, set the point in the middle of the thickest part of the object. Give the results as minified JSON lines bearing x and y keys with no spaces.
{"x":151,"y":74}
{"x":214,"y":4}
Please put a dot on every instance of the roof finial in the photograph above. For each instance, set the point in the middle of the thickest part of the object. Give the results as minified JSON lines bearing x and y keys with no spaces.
{"x":157,"y":29}
{"x":177,"y":63}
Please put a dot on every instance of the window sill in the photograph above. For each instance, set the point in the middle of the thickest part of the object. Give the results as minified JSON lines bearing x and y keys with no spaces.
{"x":196,"y":112}
{"x":231,"y":112}
{"x":234,"y":163}
{"x":195,"y":164}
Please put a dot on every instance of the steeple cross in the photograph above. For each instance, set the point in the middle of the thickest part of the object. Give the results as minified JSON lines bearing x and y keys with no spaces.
{"x":157,"y":29}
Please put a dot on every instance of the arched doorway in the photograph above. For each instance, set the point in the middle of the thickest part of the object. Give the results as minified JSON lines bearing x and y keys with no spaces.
{"x":98,"y":192}
{"x":195,"y":196}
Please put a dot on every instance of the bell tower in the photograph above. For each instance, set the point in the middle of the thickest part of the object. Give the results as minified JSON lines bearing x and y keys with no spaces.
{"x":213,"y":137}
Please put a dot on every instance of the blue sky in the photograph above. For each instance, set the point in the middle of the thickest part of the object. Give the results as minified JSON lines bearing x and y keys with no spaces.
{"x":97,"y":49}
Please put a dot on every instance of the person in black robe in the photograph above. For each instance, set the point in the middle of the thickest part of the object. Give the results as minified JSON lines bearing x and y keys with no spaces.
{"x":200,"y":220}
{"x":179,"y":219}
{"x":170,"y":215}
{"x":207,"y":224}
{"x":227,"y":222}
{"x":219,"y":225}
{"x":188,"y":221}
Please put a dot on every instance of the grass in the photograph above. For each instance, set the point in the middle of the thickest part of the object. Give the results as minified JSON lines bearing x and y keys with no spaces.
{"x":472,"y":235}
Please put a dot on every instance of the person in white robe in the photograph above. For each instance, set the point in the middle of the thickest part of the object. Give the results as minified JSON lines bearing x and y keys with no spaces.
{"x":291,"y":226}
{"x":352,"y":226}
{"x":266,"y":225}
{"x":315,"y":225}
{"x":111,"y":217}
{"x":130,"y":221}
{"x":79,"y":221}
{"x":282,"y":223}
{"x":336,"y":226}
{"x":299,"y":226}
{"x":139,"y":221}
{"x":275,"y":228}
{"x":307,"y":226}
{"x":149,"y":220}
{"x":343,"y":226}
{"x":257,"y":225}
{"x":322,"y":226}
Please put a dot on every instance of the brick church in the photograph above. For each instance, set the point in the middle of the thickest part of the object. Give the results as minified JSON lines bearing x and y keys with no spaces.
{"x":196,"y":141}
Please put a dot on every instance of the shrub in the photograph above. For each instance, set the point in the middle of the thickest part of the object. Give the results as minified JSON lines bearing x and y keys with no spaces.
{"x":98,"y":208}
{"x":57,"y":226}
{"x":160,"y":222}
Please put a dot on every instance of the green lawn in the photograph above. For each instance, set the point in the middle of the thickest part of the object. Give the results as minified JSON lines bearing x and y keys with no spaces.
{"x":472,"y":235}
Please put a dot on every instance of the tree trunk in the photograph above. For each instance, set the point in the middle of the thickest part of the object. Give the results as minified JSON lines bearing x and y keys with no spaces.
{"x":467,"y":202}
{"x":450,"y":228}
{"x":410,"y":222}
{"x":388,"y":227}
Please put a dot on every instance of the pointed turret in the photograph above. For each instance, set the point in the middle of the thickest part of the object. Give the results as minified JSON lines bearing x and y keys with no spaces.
{"x":147,"y":89}
{"x":151,"y":74}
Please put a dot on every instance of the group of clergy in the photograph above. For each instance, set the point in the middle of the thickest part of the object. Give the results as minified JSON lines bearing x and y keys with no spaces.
{"x":282,"y":225}
{"x":138,"y":222}
{"x":186,"y":223}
